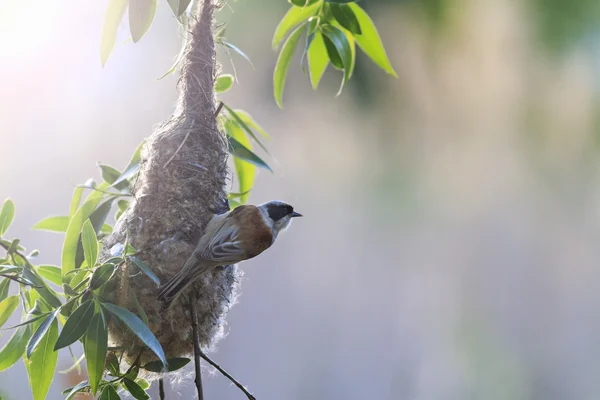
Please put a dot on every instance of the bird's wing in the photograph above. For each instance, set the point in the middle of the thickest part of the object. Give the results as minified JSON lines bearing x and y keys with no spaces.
{"x":224,"y":247}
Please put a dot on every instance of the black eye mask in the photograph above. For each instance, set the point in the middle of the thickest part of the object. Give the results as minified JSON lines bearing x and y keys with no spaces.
{"x":279,"y":210}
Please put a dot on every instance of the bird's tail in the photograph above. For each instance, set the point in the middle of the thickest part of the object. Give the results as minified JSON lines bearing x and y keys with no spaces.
{"x":169,"y":292}
{"x":177,"y":284}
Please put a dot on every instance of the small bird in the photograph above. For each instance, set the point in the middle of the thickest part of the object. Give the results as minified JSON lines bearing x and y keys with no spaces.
{"x":229,"y":238}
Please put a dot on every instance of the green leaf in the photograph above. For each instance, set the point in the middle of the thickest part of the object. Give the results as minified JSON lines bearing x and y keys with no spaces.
{"x":243,"y":125}
{"x":7,"y":213}
{"x":178,"y":6}
{"x":14,"y":246}
{"x":294,"y":17}
{"x":42,"y":364}
{"x":29,"y":321}
{"x":247,"y":119}
{"x":352,"y":43}
{"x":132,"y":372}
{"x":51,"y":273}
{"x":311,"y":28}
{"x":302,"y":3}
{"x":133,"y":166}
{"x":137,"y":327}
{"x":112,"y":19}
{"x":241,"y":151}
{"x":53,"y":224}
{"x":7,"y":306}
{"x":71,"y":241}
{"x":37,"y":308}
{"x":4,"y":286}
{"x":173,"y":365}
{"x":77,"y":193}
{"x":345,"y":16}
{"x":318,"y":59}
{"x":69,"y":290}
{"x":95,"y":346}
{"x":10,"y":269}
{"x":14,"y":348}
{"x":138,"y":307}
{"x":144,"y":384}
{"x":113,"y":364}
{"x":233,"y":204}
{"x":283,"y":63}
{"x":106,"y":229}
{"x":340,"y":1}
{"x":135,"y":389}
{"x":237,"y":50}
{"x":109,"y":393}
{"x":80,"y":387}
{"x":370,"y":42}
{"x":40,"y":287}
{"x":332,"y":53}
{"x":223,"y":83}
{"x":109,"y":174}
{"x":90,"y":243}
{"x":342,"y":46}
{"x":76,"y":325}
{"x":99,"y":215}
{"x":122,"y":204}
{"x":245,"y":171}
{"x":141,"y":14}
{"x":38,"y":335}
{"x":102,"y":275}
{"x":145,"y":269}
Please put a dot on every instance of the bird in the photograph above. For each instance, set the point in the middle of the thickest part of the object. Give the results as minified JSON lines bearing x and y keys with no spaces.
{"x":231,"y":237}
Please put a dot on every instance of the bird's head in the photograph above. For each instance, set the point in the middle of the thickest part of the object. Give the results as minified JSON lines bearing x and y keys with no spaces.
{"x":279,"y":213}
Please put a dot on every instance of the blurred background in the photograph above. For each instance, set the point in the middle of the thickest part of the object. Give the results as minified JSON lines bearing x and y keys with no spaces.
{"x":449,"y":248}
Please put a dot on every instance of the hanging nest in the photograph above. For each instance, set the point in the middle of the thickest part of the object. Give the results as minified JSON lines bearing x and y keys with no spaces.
{"x":181,"y":185}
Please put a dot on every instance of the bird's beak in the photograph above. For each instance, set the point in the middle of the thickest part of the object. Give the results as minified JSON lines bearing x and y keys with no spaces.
{"x":296,"y":214}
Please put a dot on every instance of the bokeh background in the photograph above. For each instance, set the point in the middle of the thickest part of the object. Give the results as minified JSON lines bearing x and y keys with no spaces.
{"x":449,"y":248}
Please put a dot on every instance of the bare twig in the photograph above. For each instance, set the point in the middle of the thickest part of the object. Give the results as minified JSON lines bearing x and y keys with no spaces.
{"x":231,"y":378}
{"x":219,"y":107}
{"x":197,"y":351}
{"x":161,"y":389}
{"x":198,"y":354}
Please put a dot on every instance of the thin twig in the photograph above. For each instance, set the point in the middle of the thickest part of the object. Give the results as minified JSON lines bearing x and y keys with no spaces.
{"x":197,"y":351}
{"x":219,"y":107}
{"x":231,"y":378}
{"x":161,"y":389}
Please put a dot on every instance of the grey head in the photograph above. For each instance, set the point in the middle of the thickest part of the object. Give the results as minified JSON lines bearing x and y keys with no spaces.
{"x":280,"y":213}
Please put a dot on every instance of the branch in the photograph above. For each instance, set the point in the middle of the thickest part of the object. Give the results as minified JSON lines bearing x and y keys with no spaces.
{"x":161,"y":389}
{"x":231,"y":378}
{"x":197,"y":351}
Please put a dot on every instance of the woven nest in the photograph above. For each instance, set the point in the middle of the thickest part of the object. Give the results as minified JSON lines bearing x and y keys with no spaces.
{"x":181,"y":184}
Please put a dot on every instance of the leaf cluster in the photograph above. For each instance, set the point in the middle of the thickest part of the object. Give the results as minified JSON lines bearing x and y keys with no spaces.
{"x":332,"y":29}
{"x":60,"y":306}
